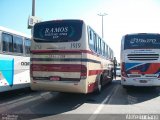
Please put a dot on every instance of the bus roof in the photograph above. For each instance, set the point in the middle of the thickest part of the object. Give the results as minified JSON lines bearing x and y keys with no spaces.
{"x":142,"y":34}
{"x":14,"y":32}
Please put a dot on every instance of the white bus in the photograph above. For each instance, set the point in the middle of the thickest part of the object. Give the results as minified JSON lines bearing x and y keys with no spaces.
{"x":69,"y":56}
{"x":140,"y":59}
{"x":14,"y":60}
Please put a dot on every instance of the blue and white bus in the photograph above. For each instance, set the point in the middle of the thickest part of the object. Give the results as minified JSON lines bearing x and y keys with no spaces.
{"x":14,"y":60}
{"x":140,"y":59}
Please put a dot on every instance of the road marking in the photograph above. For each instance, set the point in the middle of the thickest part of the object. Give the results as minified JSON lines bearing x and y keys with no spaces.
{"x":98,"y":110}
{"x":115,"y":91}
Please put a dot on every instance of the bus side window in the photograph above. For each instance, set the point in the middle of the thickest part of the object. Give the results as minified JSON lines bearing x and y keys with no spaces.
{"x":97,"y":45}
{"x":27,"y":44}
{"x":109,"y":55}
{"x":91,"y":42}
{"x":100,"y":46}
{"x":7,"y":42}
{"x":18,"y":44}
{"x":112,"y":54}
{"x":106,"y":51}
{"x":103,"y":48}
{"x":95,"y":42}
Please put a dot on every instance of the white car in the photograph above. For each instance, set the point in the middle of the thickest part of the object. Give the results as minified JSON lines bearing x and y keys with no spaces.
{"x":118,"y":71}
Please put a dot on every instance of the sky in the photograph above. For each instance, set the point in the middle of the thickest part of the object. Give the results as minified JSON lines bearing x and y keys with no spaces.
{"x":123,"y":16}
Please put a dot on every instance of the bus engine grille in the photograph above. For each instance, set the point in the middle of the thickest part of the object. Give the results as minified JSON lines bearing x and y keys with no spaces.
{"x":142,"y":57}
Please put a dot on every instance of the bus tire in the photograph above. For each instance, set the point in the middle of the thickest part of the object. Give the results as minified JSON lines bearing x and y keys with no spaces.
{"x":99,"y":86}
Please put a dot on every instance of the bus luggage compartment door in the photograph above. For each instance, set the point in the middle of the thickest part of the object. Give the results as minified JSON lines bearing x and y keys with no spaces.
{"x":57,"y":66}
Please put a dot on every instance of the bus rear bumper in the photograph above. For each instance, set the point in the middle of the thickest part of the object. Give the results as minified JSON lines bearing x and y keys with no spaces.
{"x":73,"y":87}
{"x":140,"y":82}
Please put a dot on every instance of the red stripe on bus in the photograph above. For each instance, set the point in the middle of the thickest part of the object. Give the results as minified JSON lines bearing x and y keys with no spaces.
{"x":61,"y":51}
{"x":58,"y":67}
{"x":66,"y":51}
{"x":94,"y":72}
{"x":153,"y":68}
{"x":64,"y":68}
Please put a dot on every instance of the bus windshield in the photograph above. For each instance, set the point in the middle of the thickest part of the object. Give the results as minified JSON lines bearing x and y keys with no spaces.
{"x":58,"y":31}
{"x":142,"y":41}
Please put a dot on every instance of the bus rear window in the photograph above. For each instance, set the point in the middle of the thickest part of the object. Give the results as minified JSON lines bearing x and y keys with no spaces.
{"x":142,"y":41}
{"x":58,"y":31}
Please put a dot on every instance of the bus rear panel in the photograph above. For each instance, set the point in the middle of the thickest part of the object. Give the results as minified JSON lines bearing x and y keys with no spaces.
{"x":61,"y":59}
{"x":140,"y":60}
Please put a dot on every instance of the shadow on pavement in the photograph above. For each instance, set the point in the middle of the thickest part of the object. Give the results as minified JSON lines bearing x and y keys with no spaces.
{"x":44,"y":104}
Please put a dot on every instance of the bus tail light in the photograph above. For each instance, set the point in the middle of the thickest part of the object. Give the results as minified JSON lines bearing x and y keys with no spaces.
{"x":124,"y":74}
{"x":83,"y":72}
{"x":34,"y":67}
{"x":31,"y":71}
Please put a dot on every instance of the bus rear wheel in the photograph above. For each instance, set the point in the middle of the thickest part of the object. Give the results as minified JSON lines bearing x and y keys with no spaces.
{"x":99,"y":87}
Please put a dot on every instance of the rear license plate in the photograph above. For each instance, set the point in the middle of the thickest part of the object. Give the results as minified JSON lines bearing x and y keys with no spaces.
{"x":143,"y":81}
{"x":56,"y":56}
{"x":54,"y":78}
